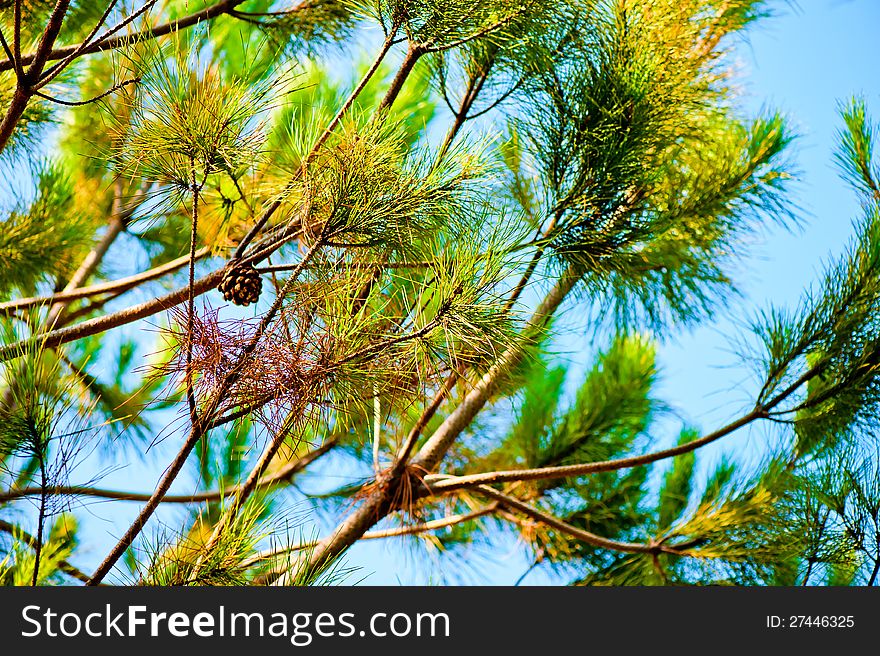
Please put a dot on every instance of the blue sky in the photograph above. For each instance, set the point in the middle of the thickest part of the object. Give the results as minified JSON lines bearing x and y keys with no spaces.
{"x":802,"y":62}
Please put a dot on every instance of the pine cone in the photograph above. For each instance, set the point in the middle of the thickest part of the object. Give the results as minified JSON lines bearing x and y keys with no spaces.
{"x":241,"y":284}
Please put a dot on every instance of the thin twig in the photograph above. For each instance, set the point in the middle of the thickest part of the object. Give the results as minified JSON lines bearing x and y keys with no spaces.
{"x":478,"y":34}
{"x":80,"y":103}
{"x":41,"y":516}
{"x":191,"y":299}
{"x":279,"y":268}
{"x":415,"y":529}
{"x":57,"y":69}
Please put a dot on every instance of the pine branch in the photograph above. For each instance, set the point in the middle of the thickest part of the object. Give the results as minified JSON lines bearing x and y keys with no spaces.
{"x":278,"y":268}
{"x":441,"y":484}
{"x":5,"y":46}
{"x":128,"y":315}
{"x":190,"y":303}
{"x":761,"y":411}
{"x":413,"y":54}
{"x":278,"y":440}
{"x":474,"y":87}
{"x":267,"y":213}
{"x":501,"y":500}
{"x":876,"y":569}
{"x":57,"y":69}
{"x":427,"y":47}
{"x":380,"y":502}
{"x":386,"y":102}
{"x":435,"y":448}
{"x":199,"y":428}
{"x":47,"y":40}
{"x":472,"y":91}
{"x":452,"y":379}
{"x":579,"y":534}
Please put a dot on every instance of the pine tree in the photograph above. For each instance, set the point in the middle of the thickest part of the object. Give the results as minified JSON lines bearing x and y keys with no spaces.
{"x":228,"y":240}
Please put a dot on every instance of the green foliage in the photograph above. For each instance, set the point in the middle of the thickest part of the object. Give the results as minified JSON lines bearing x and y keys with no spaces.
{"x":187,"y":122}
{"x":742,"y":533}
{"x":304,"y":28}
{"x":536,"y":413}
{"x":351,"y":190}
{"x":311,"y":103}
{"x":855,"y":156}
{"x":405,"y":268}
{"x":17,"y":563}
{"x":440,"y":24}
{"x":841,"y":496}
{"x":189,"y":562}
{"x":88,"y":136}
{"x":648,"y":176}
{"x":35,"y":395}
{"x":613,"y":406}
{"x":44,"y":239}
{"x":676,"y":490}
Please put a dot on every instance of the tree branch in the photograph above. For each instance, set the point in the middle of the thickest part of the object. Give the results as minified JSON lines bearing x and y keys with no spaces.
{"x":380,"y":503}
{"x":145,"y":35}
{"x":199,"y":428}
{"x":128,"y":315}
{"x":584,"y":536}
{"x":346,"y":106}
{"x":283,"y":474}
{"x":25,"y":81}
{"x":120,"y":285}
{"x":79,"y":103}
{"x":441,"y":484}
{"x":415,"y":529}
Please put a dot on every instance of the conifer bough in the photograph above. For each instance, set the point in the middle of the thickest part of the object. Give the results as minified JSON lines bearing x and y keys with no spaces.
{"x":399,"y":298}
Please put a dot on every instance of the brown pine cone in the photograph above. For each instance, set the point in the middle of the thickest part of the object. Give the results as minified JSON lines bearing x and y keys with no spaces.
{"x":241,"y":284}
